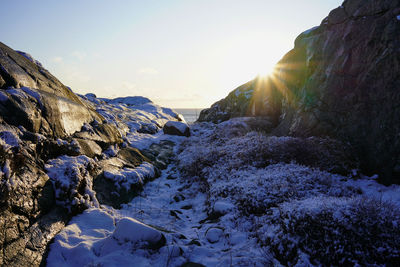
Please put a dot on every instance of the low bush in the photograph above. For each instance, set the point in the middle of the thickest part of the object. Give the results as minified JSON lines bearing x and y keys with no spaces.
{"x":234,"y":146}
{"x":256,"y":190}
{"x":335,"y":231}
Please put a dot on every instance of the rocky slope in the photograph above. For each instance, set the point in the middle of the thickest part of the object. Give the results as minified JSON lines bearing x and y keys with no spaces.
{"x":341,"y":80}
{"x":61,"y":153}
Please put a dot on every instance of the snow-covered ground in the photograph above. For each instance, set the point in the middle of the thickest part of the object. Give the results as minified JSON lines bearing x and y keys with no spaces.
{"x":216,"y":205}
{"x":137,"y":118}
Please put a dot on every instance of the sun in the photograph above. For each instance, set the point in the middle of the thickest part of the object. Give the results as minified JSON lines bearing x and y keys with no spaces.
{"x":267,"y":71}
{"x":246,"y":58}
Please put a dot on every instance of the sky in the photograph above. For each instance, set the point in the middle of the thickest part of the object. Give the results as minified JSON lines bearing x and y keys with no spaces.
{"x":179,"y":53}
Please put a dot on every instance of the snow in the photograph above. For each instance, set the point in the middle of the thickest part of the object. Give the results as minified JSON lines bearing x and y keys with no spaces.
{"x":129,"y":229}
{"x":9,"y":139}
{"x":17,"y":92}
{"x":213,"y":235}
{"x":137,"y":118}
{"x":372,"y":188}
{"x":6,"y":169}
{"x":155,"y":207}
{"x":112,"y":151}
{"x":246,"y":92}
{"x":30,"y":58}
{"x":143,"y":141}
{"x":223,"y":206}
{"x":218,"y":206}
{"x":132,"y":100}
{"x":68,"y":173}
{"x":100,"y":236}
{"x":171,"y":113}
{"x":33,"y":93}
{"x":127,"y":177}
{"x":3,"y":96}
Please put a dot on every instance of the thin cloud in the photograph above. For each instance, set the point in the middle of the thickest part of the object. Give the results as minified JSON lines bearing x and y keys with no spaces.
{"x":148,"y":71}
{"x":128,"y":85}
{"x":79,"y":55}
{"x":57,"y":59}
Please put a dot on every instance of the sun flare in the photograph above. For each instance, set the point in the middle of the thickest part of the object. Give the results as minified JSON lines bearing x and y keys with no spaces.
{"x":268,"y":71}
{"x":244,"y":60}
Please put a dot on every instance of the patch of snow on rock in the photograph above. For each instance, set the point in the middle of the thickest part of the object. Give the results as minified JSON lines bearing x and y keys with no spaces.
{"x":30,"y":58}
{"x":127,"y":177}
{"x":69,"y":176}
{"x":9,"y":139}
{"x":131,"y":230}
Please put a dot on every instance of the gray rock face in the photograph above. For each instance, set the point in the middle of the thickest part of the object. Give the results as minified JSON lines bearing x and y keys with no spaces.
{"x":35,"y":99}
{"x":29,"y":218}
{"x":341,"y":80}
{"x":59,"y":156}
{"x":38,"y":115}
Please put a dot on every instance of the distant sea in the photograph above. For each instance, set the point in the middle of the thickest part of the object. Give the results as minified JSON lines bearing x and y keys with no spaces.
{"x":190,"y":114}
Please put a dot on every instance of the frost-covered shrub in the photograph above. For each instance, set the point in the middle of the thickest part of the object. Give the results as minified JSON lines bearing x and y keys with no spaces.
{"x":255,"y":190}
{"x":259,"y":124}
{"x":335,"y":231}
{"x":284,"y":190}
{"x":230,"y":160}
{"x":227,"y":148}
{"x":324,"y":153}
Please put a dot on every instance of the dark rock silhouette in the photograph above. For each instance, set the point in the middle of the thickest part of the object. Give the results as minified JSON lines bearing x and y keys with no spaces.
{"x":340,"y":80}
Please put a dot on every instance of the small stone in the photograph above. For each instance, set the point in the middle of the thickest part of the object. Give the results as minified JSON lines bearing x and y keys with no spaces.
{"x":223,"y":207}
{"x":186,"y":207}
{"x":213,"y":235}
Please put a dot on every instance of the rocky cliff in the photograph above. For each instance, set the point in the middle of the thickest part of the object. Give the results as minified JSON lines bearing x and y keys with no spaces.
{"x":342,"y":80}
{"x":61,"y":153}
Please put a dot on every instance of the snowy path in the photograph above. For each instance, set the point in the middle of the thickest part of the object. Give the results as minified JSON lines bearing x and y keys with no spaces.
{"x":178,"y":207}
{"x":175,"y":208}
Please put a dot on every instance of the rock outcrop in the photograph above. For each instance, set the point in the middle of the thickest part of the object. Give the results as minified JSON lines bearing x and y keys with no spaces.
{"x":36,"y":100}
{"x":38,"y":116}
{"x":58,"y":149}
{"x":340,"y":80}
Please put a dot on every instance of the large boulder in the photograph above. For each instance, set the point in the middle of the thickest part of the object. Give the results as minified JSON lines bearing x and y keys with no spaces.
{"x":176,"y":128}
{"x":30,"y":96}
{"x":342,"y":80}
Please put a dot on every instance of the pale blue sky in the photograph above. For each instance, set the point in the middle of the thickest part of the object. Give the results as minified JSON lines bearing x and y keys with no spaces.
{"x":178,"y":53}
